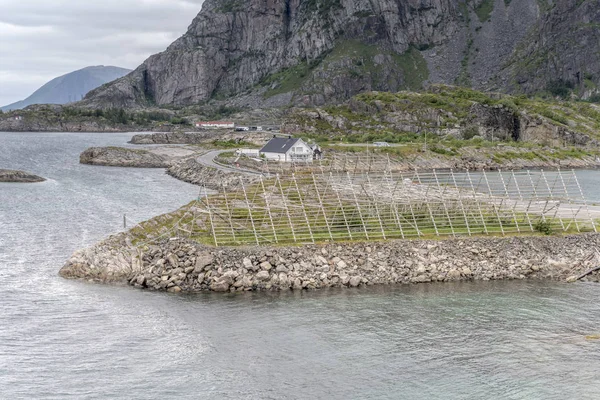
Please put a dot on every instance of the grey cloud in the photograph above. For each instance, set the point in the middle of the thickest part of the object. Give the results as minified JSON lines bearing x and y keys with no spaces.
{"x":40,"y":39}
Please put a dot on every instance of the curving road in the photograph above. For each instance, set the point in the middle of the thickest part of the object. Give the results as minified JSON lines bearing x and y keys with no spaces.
{"x":208,"y":160}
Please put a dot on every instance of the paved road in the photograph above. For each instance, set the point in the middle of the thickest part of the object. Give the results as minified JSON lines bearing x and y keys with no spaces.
{"x":208,"y":159}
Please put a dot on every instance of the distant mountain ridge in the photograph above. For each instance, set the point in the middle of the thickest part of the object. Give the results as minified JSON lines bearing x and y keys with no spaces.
{"x":70,"y":87}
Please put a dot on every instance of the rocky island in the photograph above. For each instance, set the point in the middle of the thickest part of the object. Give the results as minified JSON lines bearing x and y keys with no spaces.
{"x":157,"y":157}
{"x":12,"y":176}
{"x":122,"y":157}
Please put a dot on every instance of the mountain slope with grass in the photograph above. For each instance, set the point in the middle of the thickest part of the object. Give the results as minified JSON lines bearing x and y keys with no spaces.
{"x":452,"y":112}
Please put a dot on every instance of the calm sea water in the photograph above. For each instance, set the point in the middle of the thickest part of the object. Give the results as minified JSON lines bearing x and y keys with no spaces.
{"x":69,"y":340}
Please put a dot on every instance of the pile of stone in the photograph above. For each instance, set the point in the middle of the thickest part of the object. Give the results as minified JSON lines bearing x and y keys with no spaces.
{"x":178,"y":265}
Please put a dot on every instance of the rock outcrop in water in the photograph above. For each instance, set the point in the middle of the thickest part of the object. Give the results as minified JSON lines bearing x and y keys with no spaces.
{"x":281,"y":52}
{"x":122,"y":157}
{"x":12,"y":176}
{"x":179,"y":265}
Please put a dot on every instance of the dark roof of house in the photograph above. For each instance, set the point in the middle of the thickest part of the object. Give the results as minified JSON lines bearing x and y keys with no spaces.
{"x":279,"y":145}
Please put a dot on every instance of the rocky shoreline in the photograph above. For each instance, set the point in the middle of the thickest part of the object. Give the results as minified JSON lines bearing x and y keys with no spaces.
{"x":191,"y":171}
{"x":179,"y":265}
{"x":13,"y":176}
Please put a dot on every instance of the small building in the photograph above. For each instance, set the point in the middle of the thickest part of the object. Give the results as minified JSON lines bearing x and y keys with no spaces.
{"x":215,"y":125}
{"x":287,"y":149}
{"x":248,"y":152}
{"x":256,"y":128}
{"x":242,"y":129}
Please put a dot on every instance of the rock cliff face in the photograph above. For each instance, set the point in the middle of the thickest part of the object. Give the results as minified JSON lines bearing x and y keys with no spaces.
{"x":266,"y":53}
{"x":561,"y":53}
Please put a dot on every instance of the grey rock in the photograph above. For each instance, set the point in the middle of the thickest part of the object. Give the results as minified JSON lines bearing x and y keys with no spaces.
{"x":203,"y":260}
{"x":220,"y":286}
{"x":266,"y":266}
{"x":263,"y":276}
{"x":281,"y":268}
{"x":355,"y":281}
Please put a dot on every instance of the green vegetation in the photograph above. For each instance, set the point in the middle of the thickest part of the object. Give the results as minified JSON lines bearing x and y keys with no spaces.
{"x":383,"y":68}
{"x":443,"y":122}
{"x":484,"y":10}
{"x":288,"y":80}
{"x":543,"y":226}
{"x":232,"y":144}
{"x":228,"y":6}
{"x":120,"y":116}
{"x":560,"y":88}
{"x":414,"y":67}
{"x":323,"y":7}
{"x":447,"y":106}
{"x":411,"y":64}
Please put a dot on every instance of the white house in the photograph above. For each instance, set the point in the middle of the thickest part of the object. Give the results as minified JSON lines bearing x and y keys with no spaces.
{"x":287,"y":149}
{"x":215,"y":124}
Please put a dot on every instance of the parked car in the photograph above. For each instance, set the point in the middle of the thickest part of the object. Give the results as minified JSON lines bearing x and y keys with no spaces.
{"x":381,"y":144}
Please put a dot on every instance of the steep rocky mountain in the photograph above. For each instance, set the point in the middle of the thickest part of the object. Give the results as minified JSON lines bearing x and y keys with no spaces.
{"x":70,"y":87}
{"x":561,"y":54}
{"x":265,"y":53}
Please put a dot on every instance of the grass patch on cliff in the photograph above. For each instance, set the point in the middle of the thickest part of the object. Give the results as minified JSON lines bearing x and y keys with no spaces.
{"x":372,"y":61}
{"x":414,"y":66}
{"x":484,"y":10}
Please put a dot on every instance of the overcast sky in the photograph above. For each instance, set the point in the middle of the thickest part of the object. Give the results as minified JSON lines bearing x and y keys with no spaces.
{"x":43,"y":39}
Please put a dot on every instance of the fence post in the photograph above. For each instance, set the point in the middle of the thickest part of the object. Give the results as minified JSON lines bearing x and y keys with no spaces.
{"x":376,"y":207}
{"x":460,"y":200}
{"x":322,"y":205}
{"x":443,"y":200}
{"x":437,"y":232}
{"x":262,"y":184}
{"x":287,"y":210}
{"x":585,"y":202}
{"x":341,"y":205}
{"x":310,"y":231}
{"x":249,"y":211}
{"x":210,"y":217}
{"x":362,"y":220}
{"x":508,"y":198}
{"x":492,"y":202}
